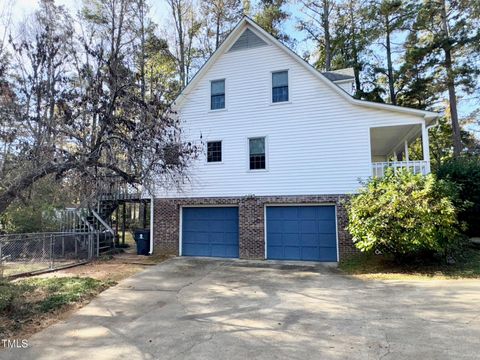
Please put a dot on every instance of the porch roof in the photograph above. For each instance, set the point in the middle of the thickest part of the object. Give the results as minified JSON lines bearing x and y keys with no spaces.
{"x":387,"y":139}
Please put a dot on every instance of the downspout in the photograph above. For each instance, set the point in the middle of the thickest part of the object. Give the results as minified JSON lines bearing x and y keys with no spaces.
{"x":152,"y":192}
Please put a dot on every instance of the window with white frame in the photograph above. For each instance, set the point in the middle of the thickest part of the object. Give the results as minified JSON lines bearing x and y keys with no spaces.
{"x":257,"y":158}
{"x":217,"y":94}
{"x":279,"y":86}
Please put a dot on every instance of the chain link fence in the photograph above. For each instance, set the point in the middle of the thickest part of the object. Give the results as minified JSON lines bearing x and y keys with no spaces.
{"x":30,"y":253}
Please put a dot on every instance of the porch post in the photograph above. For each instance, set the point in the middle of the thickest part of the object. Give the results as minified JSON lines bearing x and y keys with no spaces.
{"x":406,"y":151}
{"x":425,"y":147}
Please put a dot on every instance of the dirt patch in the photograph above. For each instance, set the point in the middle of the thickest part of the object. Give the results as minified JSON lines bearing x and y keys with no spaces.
{"x":114,"y":268}
{"x":20,"y":322}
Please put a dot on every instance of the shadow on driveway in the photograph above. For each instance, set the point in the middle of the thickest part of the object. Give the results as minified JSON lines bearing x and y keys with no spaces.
{"x":193,"y":308}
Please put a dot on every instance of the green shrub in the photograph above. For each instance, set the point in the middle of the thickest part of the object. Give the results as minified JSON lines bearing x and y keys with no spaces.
{"x":405,"y":215}
{"x":465,"y":173}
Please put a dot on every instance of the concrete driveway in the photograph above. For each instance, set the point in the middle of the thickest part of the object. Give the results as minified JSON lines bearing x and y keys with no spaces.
{"x":188,"y":308}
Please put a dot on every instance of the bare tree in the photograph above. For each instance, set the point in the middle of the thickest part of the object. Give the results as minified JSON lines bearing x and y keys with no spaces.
{"x":187,"y":29}
{"x":82,"y":111}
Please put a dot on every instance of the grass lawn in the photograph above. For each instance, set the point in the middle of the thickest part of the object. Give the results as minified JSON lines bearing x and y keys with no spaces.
{"x":369,"y":266}
{"x":25,"y":301}
{"x":28,"y":305}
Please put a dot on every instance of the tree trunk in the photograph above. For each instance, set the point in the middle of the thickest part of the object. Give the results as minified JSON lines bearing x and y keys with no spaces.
{"x":457,"y":139}
{"x":391,"y":85}
{"x":217,"y":34}
{"x":356,"y":65}
{"x":142,"y":49}
{"x":447,"y":48}
{"x":181,"y":45}
{"x":326,"y":29}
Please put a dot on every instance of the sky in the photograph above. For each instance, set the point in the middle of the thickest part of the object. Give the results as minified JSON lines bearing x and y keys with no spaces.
{"x":160,"y":15}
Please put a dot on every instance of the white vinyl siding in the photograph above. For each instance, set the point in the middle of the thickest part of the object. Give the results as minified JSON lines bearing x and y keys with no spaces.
{"x":318,"y":144}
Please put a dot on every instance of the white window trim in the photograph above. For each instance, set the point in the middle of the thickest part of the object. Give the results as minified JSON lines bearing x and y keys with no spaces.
{"x":289,"y":101}
{"x":210,"y":96}
{"x":206,"y":153}
{"x":266,"y":154}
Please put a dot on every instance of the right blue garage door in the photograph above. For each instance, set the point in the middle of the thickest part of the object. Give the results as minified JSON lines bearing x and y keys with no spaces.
{"x":301,"y":233}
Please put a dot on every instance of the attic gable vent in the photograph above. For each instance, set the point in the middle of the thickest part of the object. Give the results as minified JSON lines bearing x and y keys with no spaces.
{"x":247,"y":40}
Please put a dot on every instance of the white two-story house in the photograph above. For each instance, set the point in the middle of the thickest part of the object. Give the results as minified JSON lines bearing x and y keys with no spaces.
{"x":283,"y":145}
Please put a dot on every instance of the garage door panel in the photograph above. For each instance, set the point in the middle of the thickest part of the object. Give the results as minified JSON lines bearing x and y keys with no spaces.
{"x":231,"y":226}
{"x":275,"y":252}
{"x":216,"y":238}
{"x":195,"y":225}
{"x":308,"y":226}
{"x":287,"y":212}
{"x":197,"y":250}
{"x":195,"y":237}
{"x":310,"y":253}
{"x":291,"y":239}
{"x":290,"y":226}
{"x":301,"y":233}
{"x":326,"y":227}
{"x":326,"y":213}
{"x":215,"y":226}
{"x":275,"y":239}
{"x":224,"y":251}
{"x":276,"y":226}
{"x":292,"y":252}
{"x":231,"y":239}
{"x":327,"y":254}
{"x":210,"y":231}
{"x":309,"y":240}
{"x":326,"y":240}
{"x":307,"y":212}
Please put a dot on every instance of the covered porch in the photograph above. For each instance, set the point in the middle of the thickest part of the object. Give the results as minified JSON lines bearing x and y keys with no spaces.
{"x":391,"y":148}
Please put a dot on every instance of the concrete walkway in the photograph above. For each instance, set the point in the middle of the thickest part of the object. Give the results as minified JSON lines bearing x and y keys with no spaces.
{"x":215,"y":309}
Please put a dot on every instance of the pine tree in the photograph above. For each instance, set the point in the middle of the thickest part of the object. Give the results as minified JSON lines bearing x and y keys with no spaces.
{"x":448,"y":33}
{"x":270,"y":17}
{"x":318,"y":25}
{"x":352,"y":39}
{"x":220,"y":17}
{"x":388,"y":17}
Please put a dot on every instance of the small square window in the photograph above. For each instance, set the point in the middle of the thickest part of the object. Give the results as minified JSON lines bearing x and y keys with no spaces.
{"x":214,"y":151}
{"x":217,"y":99}
{"x":280,"y":86}
{"x":257,"y":153}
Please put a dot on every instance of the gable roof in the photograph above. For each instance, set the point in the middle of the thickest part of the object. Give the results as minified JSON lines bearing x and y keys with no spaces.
{"x":247,"y":23}
{"x":334,"y":76}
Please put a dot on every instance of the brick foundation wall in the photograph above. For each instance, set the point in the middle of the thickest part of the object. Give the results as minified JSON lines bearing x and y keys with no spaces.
{"x":251,"y":221}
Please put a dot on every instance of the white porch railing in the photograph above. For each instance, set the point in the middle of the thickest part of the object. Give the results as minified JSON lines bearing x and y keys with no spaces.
{"x":417,"y":167}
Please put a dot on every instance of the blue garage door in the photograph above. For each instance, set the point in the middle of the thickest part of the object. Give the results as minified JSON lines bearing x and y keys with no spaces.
{"x":210,"y":231}
{"x":301,"y":233}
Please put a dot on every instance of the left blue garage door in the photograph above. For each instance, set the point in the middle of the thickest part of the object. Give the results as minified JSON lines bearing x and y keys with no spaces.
{"x":210,"y":231}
